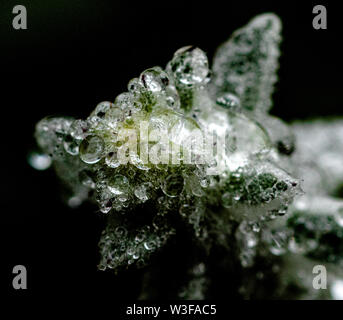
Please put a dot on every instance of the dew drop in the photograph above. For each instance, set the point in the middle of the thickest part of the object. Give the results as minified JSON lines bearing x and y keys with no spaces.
{"x":336,"y":289}
{"x":150,"y":245}
{"x":101,"y":109}
{"x":39,"y":161}
{"x":123,"y":101}
{"x":78,"y":129}
{"x":106,"y":207}
{"x":74,"y":202}
{"x":85,"y":177}
{"x":205,"y":182}
{"x":154,"y":79}
{"x":172,"y":186}
{"x":113,"y":116}
{"x":138,"y":162}
{"x":140,"y":237}
{"x":91,"y":149}
{"x":112,"y":160}
{"x":229,"y":101}
{"x":118,"y":184}
{"x":123,"y":197}
{"x":120,"y":232}
{"x":143,"y":191}
{"x":134,"y":85}
{"x":190,"y":66}
{"x":71,"y":145}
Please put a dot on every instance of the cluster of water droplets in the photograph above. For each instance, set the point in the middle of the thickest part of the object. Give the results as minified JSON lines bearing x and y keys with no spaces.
{"x":237,"y":199}
{"x":174,"y":101}
{"x":120,"y":248}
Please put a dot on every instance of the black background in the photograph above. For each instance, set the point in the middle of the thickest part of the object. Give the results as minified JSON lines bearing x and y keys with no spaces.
{"x":75,"y":54}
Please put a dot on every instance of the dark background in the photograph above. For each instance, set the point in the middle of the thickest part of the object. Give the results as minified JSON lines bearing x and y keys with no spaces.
{"x":75,"y":54}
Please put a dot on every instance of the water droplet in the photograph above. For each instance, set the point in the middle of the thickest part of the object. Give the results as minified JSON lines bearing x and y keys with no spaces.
{"x":71,"y":145}
{"x":172,"y":97}
{"x":190,"y":66}
{"x":229,"y":101}
{"x":336,"y":289}
{"x":78,"y":129}
{"x":112,"y":159}
{"x":118,"y":184}
{"x":120,"y":232}
{"x":101,"y":109}
{"x":256,"y":227}
{"x":150,"y":245}
{"x":74,"y":202}
{"x":85,"y":177}
{"x":155,"y":79}
{"x":123,"y":197}
{"x":195,"y":186}
{"x":123,"y":101}
{"x":130,"y":251}
{"x":91,"y":149}
{"x":251,"y":240}
{"x":113,"y":116}
{"x":140,"y":263}
{"x":205,"y":182}
{"x":39,"y":161}
{"x":134,"y":85}
{"x":137,"y":162}
{"x":143,"y":191}
{"x":106,"y":206}
{"x":140,"y":236}
{"x":172,"y":186}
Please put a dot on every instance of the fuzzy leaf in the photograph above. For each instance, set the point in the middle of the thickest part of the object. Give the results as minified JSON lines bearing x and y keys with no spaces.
{"x":246,"y":64}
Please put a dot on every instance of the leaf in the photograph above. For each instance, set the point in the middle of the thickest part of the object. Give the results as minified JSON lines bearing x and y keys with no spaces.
{"x":122,"y":245}
{"x":246,"y":64}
